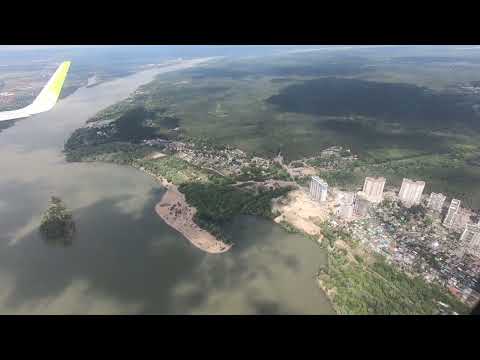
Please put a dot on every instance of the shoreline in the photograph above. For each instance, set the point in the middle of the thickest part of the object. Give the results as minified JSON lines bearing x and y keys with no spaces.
{"x":178,"y":214}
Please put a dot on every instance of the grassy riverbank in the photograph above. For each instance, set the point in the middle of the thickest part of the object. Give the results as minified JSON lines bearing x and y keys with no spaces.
{"x":216,"y":200}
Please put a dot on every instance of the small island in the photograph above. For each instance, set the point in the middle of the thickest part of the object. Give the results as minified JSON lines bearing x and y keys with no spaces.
{"x":57,"y":224}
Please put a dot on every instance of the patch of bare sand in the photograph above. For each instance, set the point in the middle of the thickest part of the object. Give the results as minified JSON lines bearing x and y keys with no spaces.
{"x":299,"y":210}
{"x":156,"y":155}
{"x":175,"y":211}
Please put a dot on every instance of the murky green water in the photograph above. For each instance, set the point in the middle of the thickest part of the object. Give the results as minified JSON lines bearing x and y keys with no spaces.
{"x":124,"y":258}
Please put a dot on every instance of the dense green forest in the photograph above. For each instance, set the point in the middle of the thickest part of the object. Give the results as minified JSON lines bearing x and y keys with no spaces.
{"x":407,"y":104}
{"x":380,"y":289}
{"x":217,"y":204}
{"x":57,"y":224}
{"x":400,"y":117}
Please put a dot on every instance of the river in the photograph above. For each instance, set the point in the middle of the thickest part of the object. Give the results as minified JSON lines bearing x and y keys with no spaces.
{"x":124,"y":259}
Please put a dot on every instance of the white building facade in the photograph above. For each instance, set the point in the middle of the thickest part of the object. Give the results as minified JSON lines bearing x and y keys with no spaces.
{"x":318,"y":189}
{"x":451,"y":214}
{"x":373,"y":188}
{"x":470,"y":239}
{"x":411,"y":192}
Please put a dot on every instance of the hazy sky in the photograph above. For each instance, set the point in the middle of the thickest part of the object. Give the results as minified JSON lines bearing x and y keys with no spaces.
{"x":307,"y":48}
{"x":44,"y":47}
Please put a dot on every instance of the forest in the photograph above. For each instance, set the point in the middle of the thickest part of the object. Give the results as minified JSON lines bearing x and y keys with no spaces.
{"x":218,"y":204}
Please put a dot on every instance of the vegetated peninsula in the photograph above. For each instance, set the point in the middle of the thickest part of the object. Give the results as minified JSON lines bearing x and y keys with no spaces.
{"x":230,"y":143}
{"x":206,"y":185}
{"x":176,"y":212}
{"x":57,"y":225}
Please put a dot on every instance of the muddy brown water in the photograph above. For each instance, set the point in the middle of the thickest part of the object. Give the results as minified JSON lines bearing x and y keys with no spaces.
{"x":124,"y":259}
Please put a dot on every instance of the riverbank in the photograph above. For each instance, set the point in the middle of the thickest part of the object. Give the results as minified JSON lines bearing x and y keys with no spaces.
{"x":203,"y":202}
{"x":145,"y":267}
{"x":175,"y":211}
{"x":300,"y":211}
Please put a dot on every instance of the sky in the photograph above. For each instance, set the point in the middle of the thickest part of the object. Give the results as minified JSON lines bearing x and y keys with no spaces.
{"x":44,"y":47}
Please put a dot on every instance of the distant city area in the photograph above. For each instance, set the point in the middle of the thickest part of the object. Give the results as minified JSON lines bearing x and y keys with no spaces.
{"x":419,"y":233}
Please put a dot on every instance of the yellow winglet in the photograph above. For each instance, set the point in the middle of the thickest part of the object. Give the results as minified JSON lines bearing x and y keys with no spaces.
{"x":59,"y":78}
{"x":47,"y":98}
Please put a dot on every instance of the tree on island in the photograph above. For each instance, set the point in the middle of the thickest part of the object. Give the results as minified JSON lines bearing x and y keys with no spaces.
{"x":57,"y":226}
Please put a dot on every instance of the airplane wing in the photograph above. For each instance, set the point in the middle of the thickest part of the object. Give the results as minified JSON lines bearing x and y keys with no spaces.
{"x":47,"y":98}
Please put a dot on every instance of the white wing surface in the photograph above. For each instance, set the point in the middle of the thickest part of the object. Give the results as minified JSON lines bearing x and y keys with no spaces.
{"x":47,"y":98}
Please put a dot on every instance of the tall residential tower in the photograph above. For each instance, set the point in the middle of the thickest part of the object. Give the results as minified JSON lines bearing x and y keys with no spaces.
{"x":452,"y":212}
{"x":318,"y":189}
{"x":373,"y":188}
{"x":411,"y":192}
{"x":470,"y":239}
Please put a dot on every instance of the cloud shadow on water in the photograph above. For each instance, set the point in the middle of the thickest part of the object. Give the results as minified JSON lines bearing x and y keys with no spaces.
{"x":112,"y":252}
{"x":136,"y":260}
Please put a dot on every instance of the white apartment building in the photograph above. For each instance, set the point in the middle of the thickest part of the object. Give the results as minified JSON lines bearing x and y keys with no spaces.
{"x":318,"y":189}
{"x":411,"y":192}
{"x":373,"y":188}
{"x":451,"y":214}
{"x":470,"y":239}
